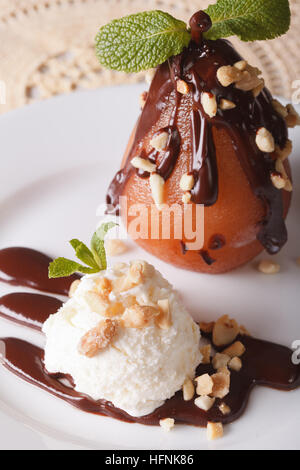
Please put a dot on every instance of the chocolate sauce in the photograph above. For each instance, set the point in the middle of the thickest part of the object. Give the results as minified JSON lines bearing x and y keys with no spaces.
{"x":29,"y":268}
{"x":197,"y":65}
{"x":264,"y":363}
{"x":28,"y":309}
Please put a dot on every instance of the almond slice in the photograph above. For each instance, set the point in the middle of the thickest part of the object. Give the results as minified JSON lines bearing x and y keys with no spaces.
{"x":98,"y":338}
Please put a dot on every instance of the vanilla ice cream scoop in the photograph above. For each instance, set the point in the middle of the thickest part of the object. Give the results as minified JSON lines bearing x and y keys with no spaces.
{"x":124,"y":337}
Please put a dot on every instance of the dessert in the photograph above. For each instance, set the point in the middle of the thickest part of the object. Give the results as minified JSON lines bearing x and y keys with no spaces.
{"x":209,"y":133}
{"x":146,"y":357}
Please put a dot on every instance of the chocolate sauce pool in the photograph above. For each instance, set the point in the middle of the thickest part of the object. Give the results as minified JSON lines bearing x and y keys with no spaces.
{"x":197,"y":65}
{"x":264,"y":363}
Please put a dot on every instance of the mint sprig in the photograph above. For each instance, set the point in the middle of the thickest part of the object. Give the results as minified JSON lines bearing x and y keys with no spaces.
{"x":250,"y":20}
{"x":141,"y":41}
{"x":146,"y":40}
{"x":94,"y":258}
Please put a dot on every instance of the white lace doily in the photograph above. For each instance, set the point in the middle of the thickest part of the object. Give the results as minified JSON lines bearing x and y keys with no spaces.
{"x":47,"y":46}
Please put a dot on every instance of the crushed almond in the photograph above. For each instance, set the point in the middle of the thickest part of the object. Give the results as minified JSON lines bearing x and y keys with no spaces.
{"x":98,"y":338}
{"x":293,"y":118}
{"x":182,"y":87}
{"x":283,"y":154}
{"x":186,"y":198}
{"x":250,"y":80}
{"x":258,"y":89}
{"x":225,"y":409}
{"x":269,"y":267}
{"x":164,"y":319}
{"x":241,"y":65}
{"x":143,"y":164}
{"x":225,"y":331}
{"x":264,"y":140}
{"x":278,"y":180}
{"x":220,"y":360}
{"x":188,"y":390}
{"x":187,"y":182}
{"x":214,"y":431}
{"x":115,"y":247}
{"x":209,"y":103}
{"x":204,"y":385}
{"x":157,"y":184}
{"x":73,"y":288}
{"x":159,"y":141}
{"x":139,"y":316}
{"x":207,"y":327}
{"x":167,"y":424}
{"x":206,"y":354}
{"x":281,"y":170}
{"x":221,"y":384}
{"x":226,"y":104}
{"x":237,"y":349}
{"x":204,"y":402}
{"x":279,"y":108}
{"x":228,"y":75}
{"x":244,"y":331}
{"x":97,"y":302}
{"x":235,"y":364}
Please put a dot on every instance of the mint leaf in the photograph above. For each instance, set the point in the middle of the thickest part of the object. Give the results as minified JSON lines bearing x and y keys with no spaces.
{"x":141,"y":41}
{"x":83,"y":253}
{"x":250,"y":20}
{"x":97,"y":243}
{"x":62,"y":267}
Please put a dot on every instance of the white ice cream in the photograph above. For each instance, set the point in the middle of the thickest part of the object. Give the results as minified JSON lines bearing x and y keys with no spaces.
{"x":143,"y":366}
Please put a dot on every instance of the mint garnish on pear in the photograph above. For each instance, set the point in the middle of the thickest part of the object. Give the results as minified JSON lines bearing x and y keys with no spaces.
{"x":146,"y":40}
{"x":94,"y":258}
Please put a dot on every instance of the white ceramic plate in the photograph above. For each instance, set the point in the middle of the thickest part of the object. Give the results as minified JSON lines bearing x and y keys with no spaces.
{"x":57,"y":159}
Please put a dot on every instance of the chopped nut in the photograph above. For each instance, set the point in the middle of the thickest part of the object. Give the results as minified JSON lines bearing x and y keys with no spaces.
{"x":187,"y":182}
{"x":237,"y":349}
{"x":268,"y":267}
{"x":279,"y":108}
{"x":209,"y":103}
{"x":241,"y":65}
{"x":281,"y":170}
{"x":264,"y":140}
{"x":167,"y":424}
{"x":235,"y":364}
{"x":186,"y":198}
{"x":206,"y":353}
{"x":115,"y":309}
{"x":228,"y":75}
{"x":182,"y":87}
{"x":139,"y":316}
{"x":98,"y":303}
{"x":226,"y":104}
{"x":293,"y":118}
{"x":221,"y":384}
{"x":204,"y":385}
{"x":244,"y":331}
{"x":207,"y":327}
{"x":220,"y":360}
{"x":157,"y":184}
{"x":214,"y":431}
{"x":225,"y":331}
{"x":143,"y":99}
{"x":150,"y":75}
{"x":225,"y":409}
{"x":159,"y":141}
{"x":74,"y":287}
{"x":278,"y":180}
{"x":188,"y":390}
{"x":283,"y":154}
{"x":258,"y":89}
{"x":129,"y":301}
{"x":98,"y":338}
{"x":139,"y":271}
{"x":164,"y":319}
{"x":204,"y":403}
{"x":143,"y":164}
{"x":115,"y":247}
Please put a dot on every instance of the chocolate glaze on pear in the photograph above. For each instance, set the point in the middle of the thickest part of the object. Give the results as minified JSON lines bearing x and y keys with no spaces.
{"x":232,"y":176}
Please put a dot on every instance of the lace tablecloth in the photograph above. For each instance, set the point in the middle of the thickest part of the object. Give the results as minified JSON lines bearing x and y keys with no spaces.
{"x":47,"y":47}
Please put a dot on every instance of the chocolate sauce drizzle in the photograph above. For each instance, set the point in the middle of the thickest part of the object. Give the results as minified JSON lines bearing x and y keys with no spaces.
{"x":197,"y":65}
{"x":264,"y":363}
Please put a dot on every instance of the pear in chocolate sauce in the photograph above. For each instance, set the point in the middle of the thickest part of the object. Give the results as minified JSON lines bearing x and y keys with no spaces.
{"x":210,"y":133}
